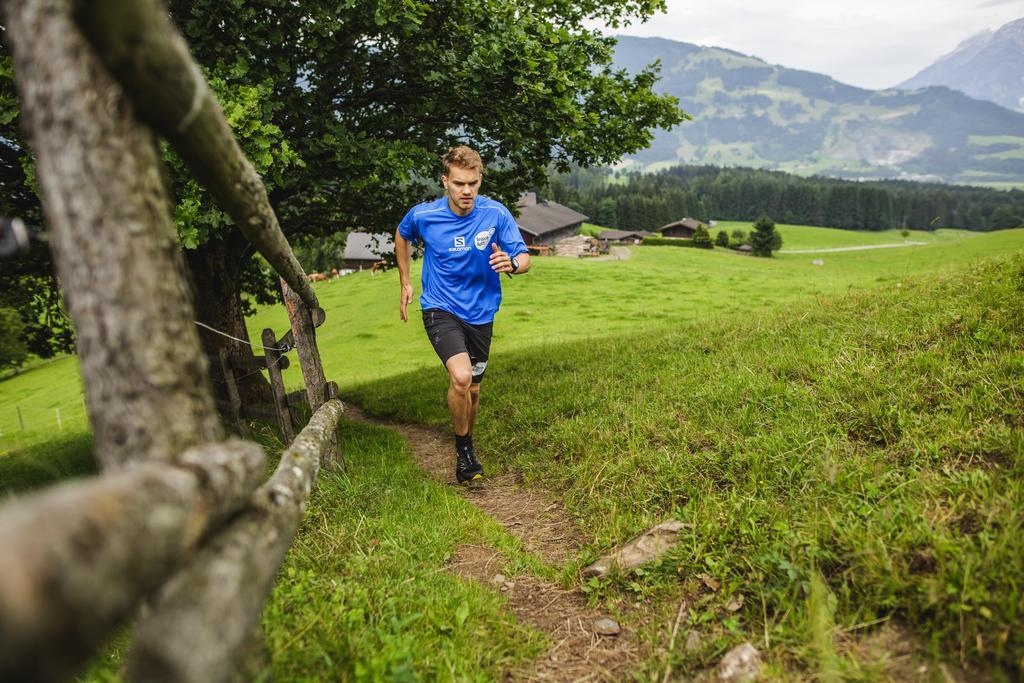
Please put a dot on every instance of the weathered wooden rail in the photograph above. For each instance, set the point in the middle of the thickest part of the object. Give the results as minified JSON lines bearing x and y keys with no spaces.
{"x":178,"y":520}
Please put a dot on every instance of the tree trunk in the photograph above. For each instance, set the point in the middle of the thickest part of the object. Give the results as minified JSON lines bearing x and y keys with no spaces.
{"x":216,"y":268}
{"x":114,"y":244}
{"x":140,"y":45}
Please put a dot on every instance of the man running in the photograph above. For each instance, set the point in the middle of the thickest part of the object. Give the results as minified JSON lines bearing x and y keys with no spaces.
{"x":468,"y":241}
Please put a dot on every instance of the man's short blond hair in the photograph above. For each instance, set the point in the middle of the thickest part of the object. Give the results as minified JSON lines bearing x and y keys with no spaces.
{"x":463,"y":157}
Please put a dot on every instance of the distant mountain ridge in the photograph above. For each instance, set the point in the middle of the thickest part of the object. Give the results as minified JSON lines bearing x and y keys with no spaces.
{"x":987,"y":66}
{"x":751,"y":113}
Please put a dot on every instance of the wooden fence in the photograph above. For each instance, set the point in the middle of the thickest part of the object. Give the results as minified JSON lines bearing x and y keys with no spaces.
{"x":180,"y":530}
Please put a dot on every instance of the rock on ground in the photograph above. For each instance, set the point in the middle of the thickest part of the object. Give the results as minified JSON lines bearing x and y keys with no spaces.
{"x":742,"y":663}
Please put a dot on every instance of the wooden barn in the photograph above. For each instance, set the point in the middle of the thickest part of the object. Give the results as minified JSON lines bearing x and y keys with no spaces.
{"x":546,"y":222}
{"x":684,"y":228}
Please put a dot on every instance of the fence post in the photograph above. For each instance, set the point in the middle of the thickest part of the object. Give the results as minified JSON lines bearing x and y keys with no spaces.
{"x":232,"y":388}
{"x":284,"y":417}
{"x":59,"y":425}
{"x":231,"y":576}
{"x":318,"y":389}
{"x":304,"y":336}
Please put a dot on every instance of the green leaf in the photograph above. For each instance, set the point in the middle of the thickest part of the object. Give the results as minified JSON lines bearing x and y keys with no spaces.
{"x":462,"y":613}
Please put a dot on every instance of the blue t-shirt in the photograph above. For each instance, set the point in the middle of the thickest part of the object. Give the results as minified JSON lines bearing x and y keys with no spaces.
{"x":457,"y":275}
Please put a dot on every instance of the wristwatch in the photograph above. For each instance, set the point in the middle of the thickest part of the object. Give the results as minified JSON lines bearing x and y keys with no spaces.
{"x":515,"y":264}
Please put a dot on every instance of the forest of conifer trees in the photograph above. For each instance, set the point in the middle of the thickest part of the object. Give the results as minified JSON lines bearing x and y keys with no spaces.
{"x":633,"y":201}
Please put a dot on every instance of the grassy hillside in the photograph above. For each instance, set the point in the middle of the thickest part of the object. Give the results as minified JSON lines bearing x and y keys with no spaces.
{"x":807,"y":237}
{"x":363,"y":338}
{"x":844,"y":442}
{"x":875,"y":440}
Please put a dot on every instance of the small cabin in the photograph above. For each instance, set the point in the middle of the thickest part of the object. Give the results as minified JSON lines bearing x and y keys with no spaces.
{"x":363,"y":249}
{"x":684,"y":228}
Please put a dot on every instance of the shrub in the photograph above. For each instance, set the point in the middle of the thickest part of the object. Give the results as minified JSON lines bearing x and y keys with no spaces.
{"x":668,"y":242}
{"x":13,"y":351}
{"x":722,"y":238}
{"x":702,"y":238}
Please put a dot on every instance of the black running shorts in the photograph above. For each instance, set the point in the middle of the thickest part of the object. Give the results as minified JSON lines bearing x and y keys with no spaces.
{"x":451,"y":335}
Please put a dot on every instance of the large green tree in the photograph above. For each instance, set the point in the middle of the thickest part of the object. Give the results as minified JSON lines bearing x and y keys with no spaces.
{"x":346,"y":106}
{"x":764,"y":238}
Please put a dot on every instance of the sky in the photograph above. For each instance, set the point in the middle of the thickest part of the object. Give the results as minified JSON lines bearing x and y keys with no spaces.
{"x":868,"y":43}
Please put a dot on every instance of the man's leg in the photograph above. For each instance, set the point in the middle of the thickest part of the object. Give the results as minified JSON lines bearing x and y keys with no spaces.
{"x":461,"y":406}
{"x":460,"y":403}
{"x":474,"y":403}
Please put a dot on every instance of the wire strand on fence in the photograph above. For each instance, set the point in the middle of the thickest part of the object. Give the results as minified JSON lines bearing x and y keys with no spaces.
{"x":283,"y":349}
{"x":251,"y":372}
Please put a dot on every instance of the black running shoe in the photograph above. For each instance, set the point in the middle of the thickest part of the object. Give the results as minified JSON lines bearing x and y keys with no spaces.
{"x":467,"y":467}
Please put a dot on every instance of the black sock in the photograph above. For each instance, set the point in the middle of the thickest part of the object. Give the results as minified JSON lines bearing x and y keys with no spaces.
{"x":463,"y":442}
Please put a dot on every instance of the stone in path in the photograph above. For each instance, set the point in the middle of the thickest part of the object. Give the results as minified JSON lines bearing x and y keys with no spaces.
{"x":739,"y":665}
{"x":640,"y":550}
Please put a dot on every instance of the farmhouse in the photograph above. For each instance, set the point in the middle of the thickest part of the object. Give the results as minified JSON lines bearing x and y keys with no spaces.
{"x":363,"y":249}
{"x":683,"y":228}
{"x":624,"y":236}
{"x":546,"y":222}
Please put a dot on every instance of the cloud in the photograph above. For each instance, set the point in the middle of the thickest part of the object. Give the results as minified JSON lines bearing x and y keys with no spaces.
{"x":997,"y":3}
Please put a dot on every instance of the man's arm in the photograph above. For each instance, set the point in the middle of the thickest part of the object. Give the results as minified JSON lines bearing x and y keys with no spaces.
{"x":403,"y":254}
{"x":501,"y":262}
{"x":524,"y":263}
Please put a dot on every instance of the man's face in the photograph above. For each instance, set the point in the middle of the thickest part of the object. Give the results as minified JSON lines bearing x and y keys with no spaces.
{"x":461,"y":185}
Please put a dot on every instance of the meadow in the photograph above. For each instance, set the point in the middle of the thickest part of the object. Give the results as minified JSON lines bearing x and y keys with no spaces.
{"x":854,"y":426}
{"x":563,"y":300}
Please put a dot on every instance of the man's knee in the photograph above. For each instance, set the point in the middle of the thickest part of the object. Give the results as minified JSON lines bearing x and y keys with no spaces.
{"x":461,"y":379}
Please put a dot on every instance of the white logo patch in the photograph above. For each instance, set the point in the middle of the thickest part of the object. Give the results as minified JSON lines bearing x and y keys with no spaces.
{"x":478,"y":368}
{"x":483,"y":238}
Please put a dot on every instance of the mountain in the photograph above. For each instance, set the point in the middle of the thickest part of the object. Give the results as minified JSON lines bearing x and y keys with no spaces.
{"x":750,"y":113}
{"x":988,"y":66}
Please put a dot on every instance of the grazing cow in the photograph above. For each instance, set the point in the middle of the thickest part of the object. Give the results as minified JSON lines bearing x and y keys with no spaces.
{"x":317,"y":277}
{"x":378,"y":266}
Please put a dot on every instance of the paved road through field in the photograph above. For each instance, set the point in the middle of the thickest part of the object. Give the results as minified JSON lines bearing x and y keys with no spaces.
{"x":861,"y":248}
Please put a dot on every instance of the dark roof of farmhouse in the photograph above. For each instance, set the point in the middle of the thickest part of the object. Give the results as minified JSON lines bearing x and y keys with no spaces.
{"x":542,"y":217}
{"x":691,"y":223}
{"x":365,"y":246}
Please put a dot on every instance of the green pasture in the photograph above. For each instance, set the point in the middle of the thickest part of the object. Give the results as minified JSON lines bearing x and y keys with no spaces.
{"x":844,"y":442}
{"x":871,"y":444}
{"x":363,"y":338}
{"x":809,"y":237}
{"x":564,"y":299}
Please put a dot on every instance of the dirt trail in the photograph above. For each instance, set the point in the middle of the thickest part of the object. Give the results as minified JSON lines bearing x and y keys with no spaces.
{"x":578,"y":653}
